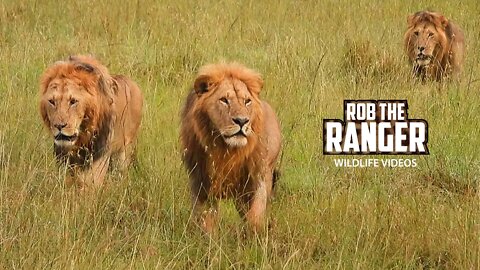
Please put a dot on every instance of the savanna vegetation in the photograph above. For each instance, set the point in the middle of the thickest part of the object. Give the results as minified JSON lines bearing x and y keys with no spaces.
{"x":313,"y":55}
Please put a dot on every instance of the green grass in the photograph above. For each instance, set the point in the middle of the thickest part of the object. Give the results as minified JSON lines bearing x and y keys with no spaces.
{"x":313,"y":55}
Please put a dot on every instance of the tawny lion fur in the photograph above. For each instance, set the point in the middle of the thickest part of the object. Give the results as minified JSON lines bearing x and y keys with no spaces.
{"x":435,"y":46}
{"x":92,"y":116}
{"x":231,"y":141}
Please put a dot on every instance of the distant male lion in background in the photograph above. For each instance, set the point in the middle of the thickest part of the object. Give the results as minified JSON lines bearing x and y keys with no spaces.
{"x":91,"y":115}
{"x":231,"y":141}
{"x":435,"y":46}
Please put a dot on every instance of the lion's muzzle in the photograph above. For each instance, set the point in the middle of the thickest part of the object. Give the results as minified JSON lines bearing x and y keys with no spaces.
{"x":423,"y":59}
{"x":65,"y":141}
{"x":236,"y":135}
{"x":64,"y":136}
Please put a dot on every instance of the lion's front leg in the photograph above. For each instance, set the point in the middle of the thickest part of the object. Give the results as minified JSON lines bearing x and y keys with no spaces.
{"x":256,"y":215}
{"x":99,"y":170}
{"x":94,"y":176}
{"x":205,"y":210}
{"x":71,"y":178}
{"x":74,"y":177}
{"x":206,"y":215}
{"x":252,"y":203}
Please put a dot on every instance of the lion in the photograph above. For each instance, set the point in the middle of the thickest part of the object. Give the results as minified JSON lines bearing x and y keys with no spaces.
{"x":231,"y":141}
{"x":92,"y":116}
{"x":434,"y":45}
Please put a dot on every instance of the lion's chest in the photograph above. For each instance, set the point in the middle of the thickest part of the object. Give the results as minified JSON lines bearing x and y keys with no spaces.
{"x":227,"y":177}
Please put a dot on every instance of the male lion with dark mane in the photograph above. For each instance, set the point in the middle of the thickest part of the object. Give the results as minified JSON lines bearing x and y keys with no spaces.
{"x":434,"y":45}
{"x":231,"y":141}
{"x":92,"y":117}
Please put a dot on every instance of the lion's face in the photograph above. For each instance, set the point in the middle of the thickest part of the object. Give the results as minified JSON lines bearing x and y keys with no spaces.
{"x":231,"y":110}
{"x":425,"y":39}
{"x":64,"y":108}
{"x":425,"y":43}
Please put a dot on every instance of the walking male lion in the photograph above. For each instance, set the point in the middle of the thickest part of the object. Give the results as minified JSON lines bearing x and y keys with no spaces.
{"x":231,"y":141}
{"x":434,"y":45}
{"x":92,"y":117}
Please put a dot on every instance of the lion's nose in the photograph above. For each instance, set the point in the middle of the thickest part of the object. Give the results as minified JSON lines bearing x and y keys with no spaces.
{"x":60,"y":126}
{"x":421,"y":49}
{"x":241,"y":121}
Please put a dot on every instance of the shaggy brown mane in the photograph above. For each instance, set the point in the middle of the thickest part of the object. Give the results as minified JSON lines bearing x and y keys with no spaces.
{"x":219,"y":72}
{"x":427,"y":17}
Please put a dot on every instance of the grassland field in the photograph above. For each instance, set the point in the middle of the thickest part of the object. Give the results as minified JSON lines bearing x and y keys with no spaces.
{"x":313,"y":55}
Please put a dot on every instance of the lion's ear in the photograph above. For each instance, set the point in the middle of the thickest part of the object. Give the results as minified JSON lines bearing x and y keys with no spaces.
{"x":104,"y":79}
{"x":84,"y":67}
{"x":202,"y":84}
{"x":49,"y":75}
{"x":444,"y":21}
{"x":410,"y":19}
{"x":254,"y":83}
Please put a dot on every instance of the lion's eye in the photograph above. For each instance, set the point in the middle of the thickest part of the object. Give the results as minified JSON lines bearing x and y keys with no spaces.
{"x":52,"y":102}
{"x":248,"y":101}
{"x":73,"y":102}
{"x":416,"y":33}
{"x":430,"y":34}
{"x":224,"y":100}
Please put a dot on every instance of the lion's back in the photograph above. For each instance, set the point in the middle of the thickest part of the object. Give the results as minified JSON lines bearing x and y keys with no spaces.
{"x":272,"y":133}
{"x":128,"y":108}
{"x":457,"y":48}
